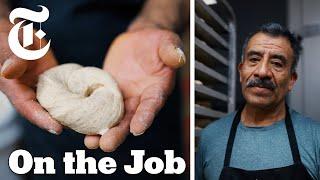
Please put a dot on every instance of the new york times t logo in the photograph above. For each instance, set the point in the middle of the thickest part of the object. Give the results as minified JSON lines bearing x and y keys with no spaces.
{"x":27,"y":30}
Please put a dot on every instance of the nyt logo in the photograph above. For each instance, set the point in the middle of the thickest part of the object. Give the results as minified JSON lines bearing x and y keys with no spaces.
{"x":27,"y":30}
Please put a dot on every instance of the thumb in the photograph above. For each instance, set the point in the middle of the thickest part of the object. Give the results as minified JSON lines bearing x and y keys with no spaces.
{"x":171,"y":53}
{"x":13,"y":67}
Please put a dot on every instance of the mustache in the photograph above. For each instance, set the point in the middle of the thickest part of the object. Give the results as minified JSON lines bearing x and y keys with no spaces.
{"x":262,"y":83}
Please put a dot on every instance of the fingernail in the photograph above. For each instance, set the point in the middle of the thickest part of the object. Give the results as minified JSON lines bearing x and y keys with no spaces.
{"x":142,"y":122}
{"x":53,"y":132}
{"x":5,"y":65}
{"x":182,"y":56}
{"x":138,"y":134}
{"x":102,"y":132}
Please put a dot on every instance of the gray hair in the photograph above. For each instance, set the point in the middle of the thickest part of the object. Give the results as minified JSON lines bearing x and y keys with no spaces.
{"x":276,"y":30}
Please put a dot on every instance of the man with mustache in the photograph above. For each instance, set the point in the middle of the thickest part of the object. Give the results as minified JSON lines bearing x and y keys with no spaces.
{"x":264,"y":138}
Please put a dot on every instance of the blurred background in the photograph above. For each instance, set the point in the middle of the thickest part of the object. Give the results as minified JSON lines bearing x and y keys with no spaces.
{"x":10,"y":133}
{"x":221,"y":28}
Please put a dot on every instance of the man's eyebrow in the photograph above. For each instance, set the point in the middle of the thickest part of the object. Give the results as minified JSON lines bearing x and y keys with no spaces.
{"x":253,"y":52}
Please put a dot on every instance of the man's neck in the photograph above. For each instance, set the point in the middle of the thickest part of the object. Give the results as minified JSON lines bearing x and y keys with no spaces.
{"x":256,"y":117}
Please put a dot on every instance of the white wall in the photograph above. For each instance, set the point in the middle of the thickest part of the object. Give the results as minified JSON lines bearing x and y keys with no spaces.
{"x":304,"y":18}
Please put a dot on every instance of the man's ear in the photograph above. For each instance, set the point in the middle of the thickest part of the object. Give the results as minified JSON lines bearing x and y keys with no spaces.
{"x":240,"y":66}
{"x":293,"y":79}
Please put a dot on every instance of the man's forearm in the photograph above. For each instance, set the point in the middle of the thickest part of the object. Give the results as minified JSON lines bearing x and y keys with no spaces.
{"x":167,"y":14}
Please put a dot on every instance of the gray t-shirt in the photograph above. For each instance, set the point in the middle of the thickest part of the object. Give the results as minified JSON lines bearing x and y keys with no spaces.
{"x":257,"y":148}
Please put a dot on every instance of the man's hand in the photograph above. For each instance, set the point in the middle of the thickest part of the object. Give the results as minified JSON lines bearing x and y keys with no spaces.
{"x":142,"y":62}
{"x":18,"y":80}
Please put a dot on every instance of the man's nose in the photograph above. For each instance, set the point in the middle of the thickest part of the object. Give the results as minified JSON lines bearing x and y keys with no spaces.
{"x":263,"y":69}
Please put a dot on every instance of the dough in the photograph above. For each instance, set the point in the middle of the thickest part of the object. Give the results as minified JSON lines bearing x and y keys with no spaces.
{"x":85,"y":99}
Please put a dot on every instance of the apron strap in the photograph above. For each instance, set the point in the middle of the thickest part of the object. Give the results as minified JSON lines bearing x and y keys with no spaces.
{"x":232,"y":136}
{"x":290,"y":132}
{"x":292,"y":137}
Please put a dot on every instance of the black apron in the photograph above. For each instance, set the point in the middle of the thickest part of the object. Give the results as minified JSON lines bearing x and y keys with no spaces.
{"x":297,"y":171}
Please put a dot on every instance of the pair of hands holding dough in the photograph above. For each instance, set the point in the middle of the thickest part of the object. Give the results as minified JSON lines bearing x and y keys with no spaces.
{"x":141,"y":65}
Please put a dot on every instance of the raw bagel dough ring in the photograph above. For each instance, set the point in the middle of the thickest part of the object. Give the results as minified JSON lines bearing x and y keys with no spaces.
{"x":85,"y":99}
